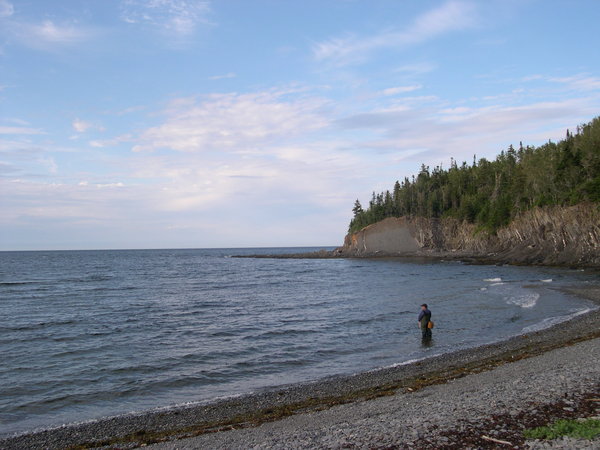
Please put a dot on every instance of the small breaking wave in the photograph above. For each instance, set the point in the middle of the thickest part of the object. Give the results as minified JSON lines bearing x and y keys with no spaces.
{"x":551,"y":321}
{"x":524,"y":301}
{"x":493,"y":280}
{"x":549,"y":280}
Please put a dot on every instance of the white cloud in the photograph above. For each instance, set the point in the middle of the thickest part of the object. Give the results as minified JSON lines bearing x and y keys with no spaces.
{"x":81,"y":126}
{"x":232,"y":122}
{"x":416,"y":68}
{"x":580,"y":82}
{"x":50,"y":164}
{"x":451,"y":16}
{"x":178,"y":17}
{"x":6,"y":8}
{"x":439,"y":131}
{"x":401,"y":89}
{"x":19,"y":130}
{"x":50,"y":32}
{"x":224,"y":76}
{"x":48,"y":35}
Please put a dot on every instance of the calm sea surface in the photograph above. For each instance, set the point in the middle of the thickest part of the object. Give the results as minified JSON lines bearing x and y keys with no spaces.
{"x":86,"y":334}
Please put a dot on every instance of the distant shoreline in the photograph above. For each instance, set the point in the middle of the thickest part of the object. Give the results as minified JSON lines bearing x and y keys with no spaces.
{"x":275,"y":403}
{"x":422,"y":255}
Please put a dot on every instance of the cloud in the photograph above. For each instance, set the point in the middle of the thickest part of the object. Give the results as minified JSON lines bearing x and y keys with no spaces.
{"x":81,"y":126}
{"x":48,"y":31}
{"x":416,"y":69}
{"x":581,"y":82}
{"x":114,"y":142}
{"x":6,"y":9}
{"x":45,"y":35}
{"x":236,"y":122}
{"x":437,"y":132}
{"x":451,"y":16}
{"x":224,"y":76}
{"x":177,"y":17}
{"x":19,"y":130}
{"x":401,"y":89}
{"x":48,"y":35}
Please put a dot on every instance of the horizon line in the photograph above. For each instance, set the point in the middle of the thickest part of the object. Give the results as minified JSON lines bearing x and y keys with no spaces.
{"x":165,"y":248}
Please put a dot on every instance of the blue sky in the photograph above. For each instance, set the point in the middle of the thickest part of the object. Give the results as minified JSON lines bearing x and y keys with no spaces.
{"x":185,"y":123}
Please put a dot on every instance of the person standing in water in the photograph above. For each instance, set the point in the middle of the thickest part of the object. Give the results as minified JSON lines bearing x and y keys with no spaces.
{"x":424,"y":319}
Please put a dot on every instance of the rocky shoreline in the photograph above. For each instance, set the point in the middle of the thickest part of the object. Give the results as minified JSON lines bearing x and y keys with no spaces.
{"x":489,"y":409}
{"x":427,"y":255}
{"x":130,"y":431}
{"x":551,"y":236}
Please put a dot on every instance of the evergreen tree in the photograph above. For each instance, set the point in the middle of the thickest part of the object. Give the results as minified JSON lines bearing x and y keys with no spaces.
{"x":491,"y":193}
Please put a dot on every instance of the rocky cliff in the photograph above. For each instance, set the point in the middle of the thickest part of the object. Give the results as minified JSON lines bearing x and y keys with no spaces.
{"x":553,"y":236}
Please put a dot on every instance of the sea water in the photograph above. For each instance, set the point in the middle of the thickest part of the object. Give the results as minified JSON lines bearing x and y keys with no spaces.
{"x":88,"y":334}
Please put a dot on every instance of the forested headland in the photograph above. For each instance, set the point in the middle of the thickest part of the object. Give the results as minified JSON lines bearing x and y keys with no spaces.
{"x":490,"y":194}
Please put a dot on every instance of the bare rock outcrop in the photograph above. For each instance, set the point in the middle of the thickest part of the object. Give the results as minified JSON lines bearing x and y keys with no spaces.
{"x":552,"y":235}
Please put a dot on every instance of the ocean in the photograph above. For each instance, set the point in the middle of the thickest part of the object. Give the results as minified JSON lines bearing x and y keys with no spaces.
{"x":89,"y":334}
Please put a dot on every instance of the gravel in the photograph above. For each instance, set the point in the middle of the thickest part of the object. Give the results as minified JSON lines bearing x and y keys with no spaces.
{"x":406,"y":420}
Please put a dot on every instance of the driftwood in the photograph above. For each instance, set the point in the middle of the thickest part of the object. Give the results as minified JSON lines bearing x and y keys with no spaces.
{"x":497,"y":441}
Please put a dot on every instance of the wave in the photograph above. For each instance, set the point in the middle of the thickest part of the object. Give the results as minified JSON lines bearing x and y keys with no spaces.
{"x":37,"y":326}
{"x":493,"y":280}
{"x":524,"y":301}
{"x":550,"y":321}
{"x":398,"y":364}
{"x":549,"y":280}
{"x":17,"y":283}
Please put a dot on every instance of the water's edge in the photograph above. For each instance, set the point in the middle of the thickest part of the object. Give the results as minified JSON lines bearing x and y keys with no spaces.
{"x":160,"y":424}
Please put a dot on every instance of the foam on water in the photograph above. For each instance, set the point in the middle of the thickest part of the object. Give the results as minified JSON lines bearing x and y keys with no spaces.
{"x":523,"y":300}
{"x":493,"y":280}
{"x":400,"y":364}
{"x":551,"y":321}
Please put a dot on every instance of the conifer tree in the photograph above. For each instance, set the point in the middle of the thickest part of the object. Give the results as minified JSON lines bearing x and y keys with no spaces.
{"x":491,"y":193}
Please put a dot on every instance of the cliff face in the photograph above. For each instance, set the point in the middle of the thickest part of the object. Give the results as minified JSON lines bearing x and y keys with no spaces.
{"x":554,"y":236}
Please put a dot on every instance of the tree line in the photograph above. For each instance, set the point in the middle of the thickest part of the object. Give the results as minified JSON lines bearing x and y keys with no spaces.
{"x":491,"y":193}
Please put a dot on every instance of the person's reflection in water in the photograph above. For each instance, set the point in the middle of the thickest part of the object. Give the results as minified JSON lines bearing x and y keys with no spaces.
{"x":426,"y":342}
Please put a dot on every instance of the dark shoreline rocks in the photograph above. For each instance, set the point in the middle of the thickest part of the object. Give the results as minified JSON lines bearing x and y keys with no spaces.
{"x":557,"y":236}
{"x":273,"y":404}
{"x":428,"y":255}
{"x":551,"y":236}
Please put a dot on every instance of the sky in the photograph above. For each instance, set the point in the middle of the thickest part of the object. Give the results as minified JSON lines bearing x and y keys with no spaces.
{"x":236,"y":123}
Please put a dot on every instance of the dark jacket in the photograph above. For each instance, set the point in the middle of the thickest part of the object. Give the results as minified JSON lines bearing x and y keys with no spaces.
{"x":424,"y":317}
